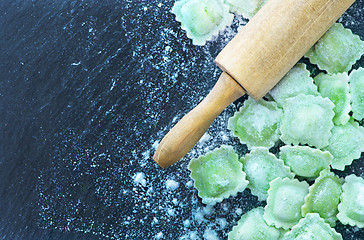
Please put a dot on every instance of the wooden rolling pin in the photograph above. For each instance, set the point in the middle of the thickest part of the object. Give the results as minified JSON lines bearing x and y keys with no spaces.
{"x":254,"y":61}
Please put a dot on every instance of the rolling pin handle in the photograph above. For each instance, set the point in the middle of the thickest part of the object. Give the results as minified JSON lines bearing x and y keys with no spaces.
{"x":188,"y":131}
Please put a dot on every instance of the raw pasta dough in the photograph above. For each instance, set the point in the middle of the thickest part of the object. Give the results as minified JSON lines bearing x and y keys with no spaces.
{"x":312,"y":227}
{"x":337,"y":50}
{"x":351,"y":208}
{"x":217,"y":175}
{"x":257,"y":123}
{"x":324,"y":197}
{"x":296,"y":81}
{"x":261,"y":167}
{"x":202,"y":19}
{"x":285,"y":199}
{"x":346,"y":144}
{"x":336,"y":88}
{"x":305,"y":161}
{"x":307,"y":120}
{"x":252,"y":226}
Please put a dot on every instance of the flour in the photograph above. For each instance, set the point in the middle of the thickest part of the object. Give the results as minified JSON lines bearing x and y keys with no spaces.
{"x":139,"y":178}
{"x":124,"y":193}
{"x":210,"y":235}
{"x":171,"y":185}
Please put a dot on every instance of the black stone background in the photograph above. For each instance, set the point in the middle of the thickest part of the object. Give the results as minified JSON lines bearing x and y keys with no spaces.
{"x":87,"y":89}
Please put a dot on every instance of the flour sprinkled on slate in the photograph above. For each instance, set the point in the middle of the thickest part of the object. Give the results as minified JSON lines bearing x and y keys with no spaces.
{"x":88,"y":90}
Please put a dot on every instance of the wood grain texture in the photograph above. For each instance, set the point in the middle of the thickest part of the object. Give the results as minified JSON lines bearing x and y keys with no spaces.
{"x":275,"y":39}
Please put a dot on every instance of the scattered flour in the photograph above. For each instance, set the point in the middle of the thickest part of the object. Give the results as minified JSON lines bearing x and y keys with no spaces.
{"x":205,"y":138}
{"x":155,"y":145}
{"x":208,"y":210}
{"x":238,"y":211}
{"x":155,"y":221}
{"x":198,"y":216}
{"x":186,"y":223}
{"x":189,"y":184}
{"x":192,"y":235}
{"x":171,"y":185}
{"x":210,"y":235}
{"x":159,"y":235}
{"x":139,"y":178}
{"x":152,"y":189}
{"x":171,"y":212}
{"x":222,"y":223}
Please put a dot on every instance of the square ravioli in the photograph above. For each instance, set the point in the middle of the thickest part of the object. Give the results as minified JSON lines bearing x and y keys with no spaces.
{"x":351,"y":208}
{"x":304,"y":161}
{"x":261,"y":167}
{"x":324,"y":197}
{"x":312,"y":227}
{"x":217,"y":175}
{"x":296,"y":81}
{"x":307,"y":119}
{"x":337,"y":50}
{"x":202,"y":19}
{"x":252,"y":226}
{"x":256,"y":124}
{"x":345,"y":144}
{"x":285,"y":199}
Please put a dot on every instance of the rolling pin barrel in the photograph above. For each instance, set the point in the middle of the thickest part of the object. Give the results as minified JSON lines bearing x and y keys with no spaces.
{"x":255,"y":59}
{"x":275,"y":39}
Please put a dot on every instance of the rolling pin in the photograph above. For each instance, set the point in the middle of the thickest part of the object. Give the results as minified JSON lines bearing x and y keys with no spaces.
{"x":253,"y":62}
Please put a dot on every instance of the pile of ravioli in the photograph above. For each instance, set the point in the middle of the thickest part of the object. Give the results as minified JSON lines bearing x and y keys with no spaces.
{"x":319,"y":123}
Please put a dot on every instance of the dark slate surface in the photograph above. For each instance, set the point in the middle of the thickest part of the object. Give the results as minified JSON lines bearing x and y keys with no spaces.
{"x":87,"y":89}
